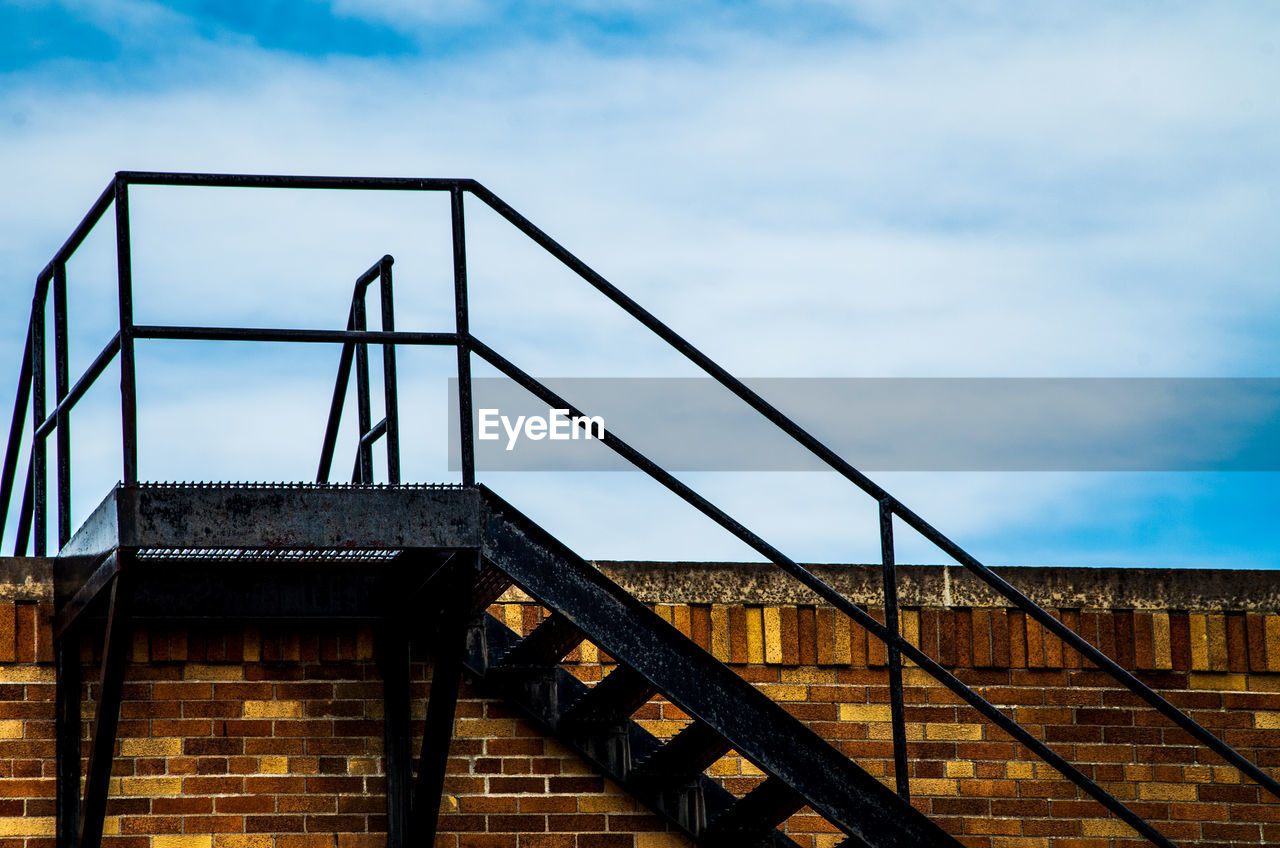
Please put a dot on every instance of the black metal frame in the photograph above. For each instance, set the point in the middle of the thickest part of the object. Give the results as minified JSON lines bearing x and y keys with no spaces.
{"x":34,"y":508}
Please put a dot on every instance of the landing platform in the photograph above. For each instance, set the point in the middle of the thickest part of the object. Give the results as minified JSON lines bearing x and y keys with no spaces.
{"x":264,"y":551}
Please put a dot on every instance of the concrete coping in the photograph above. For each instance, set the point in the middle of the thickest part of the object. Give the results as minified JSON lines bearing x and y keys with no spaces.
{"x":27,"y":579}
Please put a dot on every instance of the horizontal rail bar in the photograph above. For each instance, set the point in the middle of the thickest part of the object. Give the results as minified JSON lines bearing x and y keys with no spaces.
{"x":82,"y":385}
{"x":845,"y":469}
{"x":833,"y":597}
{"x":81,"y":232}
{"x":378,"y":431}
{"x":286,"y":181}
{"x":250,"y":334}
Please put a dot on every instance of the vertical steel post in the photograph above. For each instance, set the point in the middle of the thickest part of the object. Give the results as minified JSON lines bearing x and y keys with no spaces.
{"x":39,"y":445}
{"x":393,"y":658}
{"x":897,"y":710}
{"x":391,"y":405}
{"x":466,"y":446}
{"x":67,"y":733}
{"x":364,"y":451}
{"x":128,"y":377}
{"x":442,"y":701}
{"x":14,"y":447}
{"x":62,"y":384}
{"x":107,"y":716}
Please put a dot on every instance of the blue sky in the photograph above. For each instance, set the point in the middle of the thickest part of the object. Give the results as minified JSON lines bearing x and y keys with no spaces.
{"x":809,"y":189}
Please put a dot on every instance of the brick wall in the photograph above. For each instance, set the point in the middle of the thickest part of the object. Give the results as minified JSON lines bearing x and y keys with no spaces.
{"x":272,"y":737}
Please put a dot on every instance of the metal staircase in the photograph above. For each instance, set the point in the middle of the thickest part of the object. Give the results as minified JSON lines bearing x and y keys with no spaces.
{"x":424,"y":562}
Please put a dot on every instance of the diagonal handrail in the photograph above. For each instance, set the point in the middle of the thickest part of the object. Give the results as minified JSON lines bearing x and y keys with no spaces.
{"x":870,"y":487}
{"x":891,"y":638}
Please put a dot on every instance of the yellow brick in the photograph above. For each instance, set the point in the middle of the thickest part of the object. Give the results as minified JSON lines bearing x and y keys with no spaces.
{"x":273,"y":765}
{"x":243,"y":840}
{"x":807,"y":674}
{"x":1259,"y":683}
{"x":1266,"y":720}
{"x":724,"y":766}
{"x":513,"y":616}
{"x":1166,"y":792}
{"x":932,"y":786}
{"x":483,"y":728}
{"x":1162,"y":644}
{"x":772,"y":634}
{"x":680,"y":618}
{"x":665,"y":612}
{"x":151,"y":786}
{"x":749,"y":767}
{"x":197,"y":671}
{"x":1019,"y":770}
{"x":1226,"y":774}
{"x":661,"y":840}
{"x":785,"y":692}
{"x":882,"y":730}
{"x":605,"y":804}
{"x":590,"y":653}
{"x":362,"y":765}
{"x":755,"y":635}
{"x":166,"y":747}
{"x":252,"y":645}
{"x":842,"y":648}
{"x":111,"y":826}
{"x":865,"y":712}
{"x":11,"y":729}
{"x":909,"y":626}
{"x":1108,"y":827}
{"x":1220,"y":681}
{"x":33,"y":826}
{"x":448,"y":804}
{"x":1199,"y":643}
{"x":662,"y":729}
{"x":27,"y":674}
{"x":953,"y":732}
{"x":192,"y":840}
{"x":1272,"y":627}
{"x":720,"y":632}
{"x":959,"y":768}
{"x":272,"y":709}
{"x":1197,"y":774}
{"x":1216,"y":630}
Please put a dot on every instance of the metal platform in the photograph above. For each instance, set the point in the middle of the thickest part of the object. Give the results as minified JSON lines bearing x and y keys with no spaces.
{"x":246,"y":550}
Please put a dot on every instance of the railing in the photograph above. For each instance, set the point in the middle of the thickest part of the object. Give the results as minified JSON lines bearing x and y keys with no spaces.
{"x":355,"y":339}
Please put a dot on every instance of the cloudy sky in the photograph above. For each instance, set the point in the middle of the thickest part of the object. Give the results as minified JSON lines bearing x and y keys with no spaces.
{"x":803,"y":189}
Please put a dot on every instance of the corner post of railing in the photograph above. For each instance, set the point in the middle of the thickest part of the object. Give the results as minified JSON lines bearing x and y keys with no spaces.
{"x":466,"y":444}
{"x":14,"y":447}
{"x":363,"y":472}
{"x":39,"y":447}
{"x":896,"y":707}
{"x":128,"y":376}
{"x":390,"y":398}
{"x":62,"y":385}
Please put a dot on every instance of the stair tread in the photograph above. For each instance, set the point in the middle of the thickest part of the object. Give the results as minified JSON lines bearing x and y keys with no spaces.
{"x":685,"y":755}
{"x":550,"y":642}
{"x":756,"y":813}
{"x":623,"y":691}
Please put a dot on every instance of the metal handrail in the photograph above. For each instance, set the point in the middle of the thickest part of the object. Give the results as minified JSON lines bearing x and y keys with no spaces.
{"x":356,"y":337}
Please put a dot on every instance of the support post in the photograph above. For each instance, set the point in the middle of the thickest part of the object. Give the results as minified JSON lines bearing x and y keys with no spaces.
{"x":67,"y":733}
{"x":107,"y":716}
{"x":363,"y":472}
{"x":391,"y":405}
{"x":896,"y":708}
{"x":443,"y":701}
{"x":128,"y":376}
{"x":393,"y":659}
{"x":466,"y":447}
{"x":62,"y":384}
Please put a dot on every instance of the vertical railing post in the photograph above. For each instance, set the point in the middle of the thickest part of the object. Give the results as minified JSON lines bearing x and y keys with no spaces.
{"x":128,"y":376}
{"x":39,"y":445}
{"x":62,"y":385}
{"x":466,"y":446}
{"x":364,"y":418}
{"x":391,"y":405}
{"x":896,"y":707}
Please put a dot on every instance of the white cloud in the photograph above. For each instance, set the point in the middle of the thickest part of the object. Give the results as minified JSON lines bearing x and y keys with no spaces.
{"x":1065,"y":194}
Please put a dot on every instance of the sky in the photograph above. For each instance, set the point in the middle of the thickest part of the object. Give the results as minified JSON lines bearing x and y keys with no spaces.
{"x":801,"y":189}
